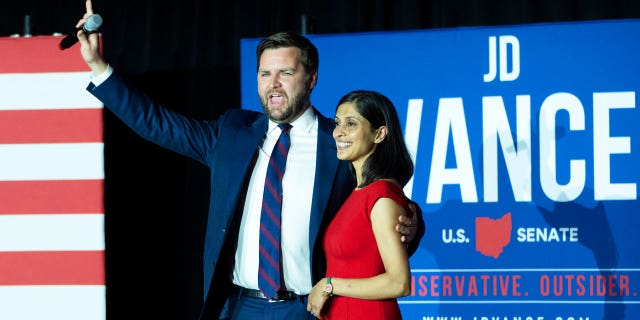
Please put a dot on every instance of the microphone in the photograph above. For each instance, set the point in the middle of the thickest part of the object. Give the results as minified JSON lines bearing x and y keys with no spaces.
{"x":91,"y":25}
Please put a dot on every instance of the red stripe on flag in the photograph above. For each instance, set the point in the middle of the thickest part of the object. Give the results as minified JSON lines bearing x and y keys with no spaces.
{"x":38,"y":54}
{"x":51,"y":126}
{"x":52,"y":268}
{"x":54,"y":196}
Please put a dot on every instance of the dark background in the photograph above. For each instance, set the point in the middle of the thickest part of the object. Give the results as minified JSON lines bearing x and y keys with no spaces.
{"x":185,"y":54}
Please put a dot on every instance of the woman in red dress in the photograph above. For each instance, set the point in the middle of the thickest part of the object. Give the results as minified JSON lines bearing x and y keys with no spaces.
{"x":367,"y":264}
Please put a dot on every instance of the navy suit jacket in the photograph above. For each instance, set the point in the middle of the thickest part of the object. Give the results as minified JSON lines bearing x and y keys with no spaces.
{"x":228,"y":147}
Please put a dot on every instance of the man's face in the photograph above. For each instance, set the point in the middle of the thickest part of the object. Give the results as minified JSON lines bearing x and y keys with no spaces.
{"x":284,"y":86}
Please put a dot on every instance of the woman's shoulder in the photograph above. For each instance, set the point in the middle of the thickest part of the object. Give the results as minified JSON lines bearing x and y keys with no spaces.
{"x":387,"y":188}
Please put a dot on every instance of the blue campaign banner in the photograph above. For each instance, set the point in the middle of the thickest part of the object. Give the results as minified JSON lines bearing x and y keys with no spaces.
{"x":526,"y":145}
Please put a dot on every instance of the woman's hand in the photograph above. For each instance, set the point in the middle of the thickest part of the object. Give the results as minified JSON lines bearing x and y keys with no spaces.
{"x":317,"y":298}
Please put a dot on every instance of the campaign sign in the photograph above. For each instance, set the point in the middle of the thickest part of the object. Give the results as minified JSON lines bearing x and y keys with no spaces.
{"x":527,"y":160}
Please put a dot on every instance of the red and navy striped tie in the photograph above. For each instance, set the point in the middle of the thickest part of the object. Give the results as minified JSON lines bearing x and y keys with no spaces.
{"x":269,"y":275}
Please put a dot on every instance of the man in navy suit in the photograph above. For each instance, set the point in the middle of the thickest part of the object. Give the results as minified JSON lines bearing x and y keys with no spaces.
{"x":236,"y":148}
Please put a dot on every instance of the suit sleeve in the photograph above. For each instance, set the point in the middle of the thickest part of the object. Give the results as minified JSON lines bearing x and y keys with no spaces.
{"x":153,"y":122}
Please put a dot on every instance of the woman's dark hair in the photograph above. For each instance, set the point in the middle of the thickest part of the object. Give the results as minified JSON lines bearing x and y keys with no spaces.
{"x":391,"y":159}
{"x":308,"y":52}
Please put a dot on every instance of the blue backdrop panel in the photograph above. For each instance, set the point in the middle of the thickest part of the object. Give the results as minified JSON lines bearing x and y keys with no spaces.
{"x":526,"y":144}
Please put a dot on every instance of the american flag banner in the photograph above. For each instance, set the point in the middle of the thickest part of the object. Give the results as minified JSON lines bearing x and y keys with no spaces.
{"x":51,"y":184}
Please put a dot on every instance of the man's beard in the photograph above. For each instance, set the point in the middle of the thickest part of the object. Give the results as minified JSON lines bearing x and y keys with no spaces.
{"x":293,"y":109}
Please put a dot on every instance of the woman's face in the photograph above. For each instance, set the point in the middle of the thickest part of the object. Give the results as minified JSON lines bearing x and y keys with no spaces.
{"x":355,"y":139}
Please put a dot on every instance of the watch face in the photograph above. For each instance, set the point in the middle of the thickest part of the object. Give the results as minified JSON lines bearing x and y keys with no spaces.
{"x":328,"y":288}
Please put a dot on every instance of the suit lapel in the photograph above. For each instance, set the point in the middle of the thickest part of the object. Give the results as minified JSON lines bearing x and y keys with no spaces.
{"x":326,"y":168}
{"x":239,"y":152}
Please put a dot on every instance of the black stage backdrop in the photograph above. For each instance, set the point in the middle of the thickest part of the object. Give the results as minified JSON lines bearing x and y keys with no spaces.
{"x":185,"y":54}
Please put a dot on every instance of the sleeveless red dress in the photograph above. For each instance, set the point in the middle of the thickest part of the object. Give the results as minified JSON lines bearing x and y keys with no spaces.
{"x":352,"y":252}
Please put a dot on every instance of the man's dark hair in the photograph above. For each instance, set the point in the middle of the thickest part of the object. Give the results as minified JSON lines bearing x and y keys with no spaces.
{"x":308,"y":52}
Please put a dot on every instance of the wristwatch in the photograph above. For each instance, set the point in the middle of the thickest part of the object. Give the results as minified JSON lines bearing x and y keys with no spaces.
{"x":328,"y":287}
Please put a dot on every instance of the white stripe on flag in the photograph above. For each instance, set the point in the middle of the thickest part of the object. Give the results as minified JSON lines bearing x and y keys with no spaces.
{"x":46,"y":232}
{"x":56,"y":161}
{"x":57,"y":90}
{"x":53,"y":302}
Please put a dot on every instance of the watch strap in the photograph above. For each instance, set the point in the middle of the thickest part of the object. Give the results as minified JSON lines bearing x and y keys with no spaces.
{"x":328,"y":287}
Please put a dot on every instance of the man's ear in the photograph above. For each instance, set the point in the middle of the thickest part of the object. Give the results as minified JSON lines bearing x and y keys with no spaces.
{"x":381,"y":134}
{"x":313,"y":79}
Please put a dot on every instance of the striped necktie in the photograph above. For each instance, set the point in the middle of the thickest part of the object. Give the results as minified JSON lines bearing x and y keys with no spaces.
{"x":269,"y":275}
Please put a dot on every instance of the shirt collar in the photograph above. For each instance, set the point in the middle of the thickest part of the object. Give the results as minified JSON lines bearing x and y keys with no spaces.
{"x":304,"y":123}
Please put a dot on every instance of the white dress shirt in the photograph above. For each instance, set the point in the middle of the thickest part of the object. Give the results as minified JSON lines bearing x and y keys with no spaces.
{"x":100,"y":78}
{"x":297,"y":185}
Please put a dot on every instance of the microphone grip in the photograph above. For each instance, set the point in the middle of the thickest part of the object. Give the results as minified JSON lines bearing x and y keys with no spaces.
{"x":91,"y":25}
{"x":69,"y":40}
